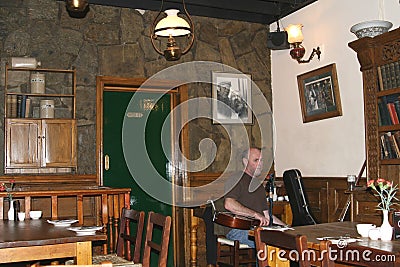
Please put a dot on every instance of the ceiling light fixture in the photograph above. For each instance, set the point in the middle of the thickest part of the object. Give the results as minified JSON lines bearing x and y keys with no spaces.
{"x":170,"y":27}
{"x":295,"y":38}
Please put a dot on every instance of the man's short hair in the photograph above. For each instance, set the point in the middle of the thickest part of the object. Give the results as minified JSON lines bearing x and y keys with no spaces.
{"x":245,"y":153}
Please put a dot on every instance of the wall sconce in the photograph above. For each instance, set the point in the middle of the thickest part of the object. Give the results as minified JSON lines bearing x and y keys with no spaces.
{"x":170,"y":27}
{"x":295,"y":38}
{"x":77,"y":5}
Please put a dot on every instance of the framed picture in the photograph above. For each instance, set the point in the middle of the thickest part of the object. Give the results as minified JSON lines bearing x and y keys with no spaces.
{"x":231,"y":93}
{"x":319,"y":94}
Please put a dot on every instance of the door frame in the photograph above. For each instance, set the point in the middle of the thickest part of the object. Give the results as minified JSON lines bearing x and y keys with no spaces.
{"x":179,"y":94}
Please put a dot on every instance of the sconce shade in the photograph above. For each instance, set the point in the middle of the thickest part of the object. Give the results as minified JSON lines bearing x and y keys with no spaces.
{"x":77,"y":5}
{"x":294,"y":33}
{"x":172,"y":25}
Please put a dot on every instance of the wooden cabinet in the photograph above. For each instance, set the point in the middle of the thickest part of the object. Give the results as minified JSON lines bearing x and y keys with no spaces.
{"x":374,"y":55}
{"x":379,"y":58}
{"x":34,"y":143}
{"x":37,"y":141}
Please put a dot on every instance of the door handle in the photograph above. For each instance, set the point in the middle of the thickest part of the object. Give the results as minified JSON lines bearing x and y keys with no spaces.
{"x":106,"y":162}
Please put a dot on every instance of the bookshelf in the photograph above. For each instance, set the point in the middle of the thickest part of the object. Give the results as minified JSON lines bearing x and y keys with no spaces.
{"x":40,"y":120}
{"x":379,"y":58}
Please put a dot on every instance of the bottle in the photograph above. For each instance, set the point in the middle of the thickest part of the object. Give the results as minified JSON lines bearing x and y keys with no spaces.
{"x":25,"y":62}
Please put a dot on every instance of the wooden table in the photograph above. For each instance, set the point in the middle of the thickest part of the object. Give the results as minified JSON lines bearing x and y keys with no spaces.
{"x":371,"y":252}
{"x":32,"y":240}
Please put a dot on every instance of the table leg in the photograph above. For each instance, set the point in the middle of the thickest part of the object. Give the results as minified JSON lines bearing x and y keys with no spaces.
{"x":84,"y":253}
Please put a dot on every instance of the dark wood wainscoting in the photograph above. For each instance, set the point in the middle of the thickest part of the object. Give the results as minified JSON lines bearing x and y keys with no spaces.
{"x":326,"y":195}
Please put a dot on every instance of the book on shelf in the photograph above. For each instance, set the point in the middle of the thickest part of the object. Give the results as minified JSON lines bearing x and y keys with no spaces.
{"x":397,"y":72}
{"x":395,"y":145}
{"x":8,"y":103}
{"x":393,"y":114}
{"x":384,"y":147}
{"x":19,"y":104}
{"x":389,"y":145}
{"x":383,"y":111}
{"x":380,"y":79}
{"x":388,"y":78}
{"x":23,"y":106}
{"x":392,"y":75}
{"x":13,"y":106}
{"x":396,"y":135}
{"x":28,"y":108}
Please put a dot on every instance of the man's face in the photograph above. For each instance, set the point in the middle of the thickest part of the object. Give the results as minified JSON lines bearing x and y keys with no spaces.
{"x":254,"y":163}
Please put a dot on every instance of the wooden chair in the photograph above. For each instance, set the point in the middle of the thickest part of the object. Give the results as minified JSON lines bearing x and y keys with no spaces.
{"x":163,"y":223}
{"x":237,"y":253}
{"x":131,"y":220}
{"x":290,"y":242}
{"x":108,"y":264}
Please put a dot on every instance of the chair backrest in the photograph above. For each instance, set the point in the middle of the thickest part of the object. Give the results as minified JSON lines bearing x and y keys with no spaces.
{"x":284,"y":240}
{"x":130,"y":233}
{"x":163,"y":223}
{"x":297,"y":198}
{"x":91,"y":265}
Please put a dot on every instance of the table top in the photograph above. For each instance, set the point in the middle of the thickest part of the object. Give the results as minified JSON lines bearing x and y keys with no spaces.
{"x":337,"y":229}
{"x":38,"y":233}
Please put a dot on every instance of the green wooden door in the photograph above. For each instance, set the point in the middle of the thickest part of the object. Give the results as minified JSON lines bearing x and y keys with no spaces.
{"x":118,"y":175}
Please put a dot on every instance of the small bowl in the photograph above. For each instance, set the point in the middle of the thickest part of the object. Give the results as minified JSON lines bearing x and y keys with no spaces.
{"x":35,"y":214}
{"x":363,"y":228}
{"x":371,"y":28}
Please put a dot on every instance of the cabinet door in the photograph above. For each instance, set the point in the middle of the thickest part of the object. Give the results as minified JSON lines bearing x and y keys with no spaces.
{"x":59,"y":143}
{"x":22,"y":143}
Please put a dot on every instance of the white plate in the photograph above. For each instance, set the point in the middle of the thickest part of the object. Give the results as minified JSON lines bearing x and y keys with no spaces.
{"x":63,"y":223}
{"x":85,"y":230}
{"x":336,"y":240}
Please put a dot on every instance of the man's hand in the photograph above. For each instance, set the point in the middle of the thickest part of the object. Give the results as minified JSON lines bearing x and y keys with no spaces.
{"x":264,"y":221}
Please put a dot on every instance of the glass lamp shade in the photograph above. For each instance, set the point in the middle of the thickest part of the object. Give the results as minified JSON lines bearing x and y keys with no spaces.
{"x":77,"y":5}
{"x":172,"y":25}
{"x":294,"y":33}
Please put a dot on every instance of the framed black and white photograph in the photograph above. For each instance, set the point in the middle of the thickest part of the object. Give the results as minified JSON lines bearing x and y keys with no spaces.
{"x":231,"y":94}
{"x":319,"y":94}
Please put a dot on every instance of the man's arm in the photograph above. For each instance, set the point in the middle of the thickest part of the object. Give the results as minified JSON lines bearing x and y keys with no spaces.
{"x":235,"y":207}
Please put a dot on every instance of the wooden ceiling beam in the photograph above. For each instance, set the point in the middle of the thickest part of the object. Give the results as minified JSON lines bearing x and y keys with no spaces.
{"x":258,"y":11}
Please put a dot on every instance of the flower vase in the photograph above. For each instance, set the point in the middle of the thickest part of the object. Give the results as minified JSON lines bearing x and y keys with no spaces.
{"x":10,"y":213}
{"x":386,"y":229}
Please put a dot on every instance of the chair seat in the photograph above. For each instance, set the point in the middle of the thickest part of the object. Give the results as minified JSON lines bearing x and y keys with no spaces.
{"x":231,"y":243}
{"x":113,"y":258}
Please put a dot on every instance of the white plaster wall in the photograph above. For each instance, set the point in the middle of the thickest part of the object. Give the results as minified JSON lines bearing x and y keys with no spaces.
{"x":334,"y":146}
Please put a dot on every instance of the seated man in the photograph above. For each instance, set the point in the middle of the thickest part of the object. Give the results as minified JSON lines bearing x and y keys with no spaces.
{"x":251,"y":204}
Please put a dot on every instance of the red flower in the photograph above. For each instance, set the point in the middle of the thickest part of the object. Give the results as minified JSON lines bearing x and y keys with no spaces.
{"x":370,"y":183}
{"x":380,"y":180}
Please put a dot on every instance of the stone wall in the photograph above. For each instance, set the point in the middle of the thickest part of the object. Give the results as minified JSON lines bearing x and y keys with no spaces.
{"x":115,"y":41}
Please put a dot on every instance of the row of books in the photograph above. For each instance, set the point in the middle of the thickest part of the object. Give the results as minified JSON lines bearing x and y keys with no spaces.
{"x":18,"y":106}
{"x":389,"y":110}
{"x":390,"y":145}
{"x":389,"y":76}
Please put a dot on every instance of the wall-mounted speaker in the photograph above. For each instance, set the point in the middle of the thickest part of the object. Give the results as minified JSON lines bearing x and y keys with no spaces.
{"x":277,"y":40}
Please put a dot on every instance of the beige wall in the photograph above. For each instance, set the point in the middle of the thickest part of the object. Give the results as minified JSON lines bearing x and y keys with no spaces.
{"x":334,"y":146}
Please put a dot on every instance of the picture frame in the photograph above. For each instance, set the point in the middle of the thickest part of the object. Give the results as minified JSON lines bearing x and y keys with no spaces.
{"x":319,"y":94}
{"x":231,"y":94}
